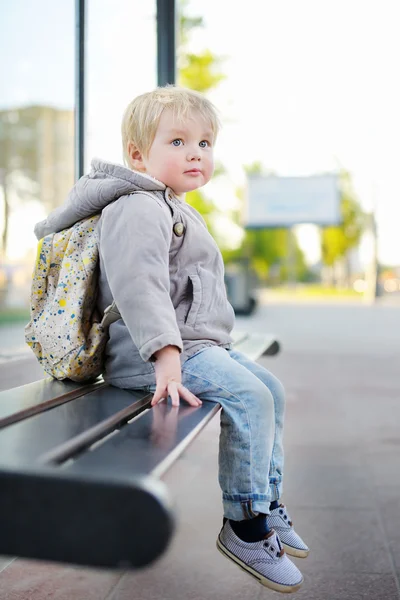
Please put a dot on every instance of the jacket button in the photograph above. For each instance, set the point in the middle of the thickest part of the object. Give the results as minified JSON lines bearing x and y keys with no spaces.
{"x":179,"y":229}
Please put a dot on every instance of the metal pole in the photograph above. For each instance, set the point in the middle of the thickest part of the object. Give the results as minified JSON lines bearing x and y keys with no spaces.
{"x":372,"y":289}
{"x":80,"y":10}
{"x":166,"y":42}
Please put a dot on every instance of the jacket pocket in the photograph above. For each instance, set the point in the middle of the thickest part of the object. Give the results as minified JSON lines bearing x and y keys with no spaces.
{"x":195,"y":283}
{"x":215,"y":312}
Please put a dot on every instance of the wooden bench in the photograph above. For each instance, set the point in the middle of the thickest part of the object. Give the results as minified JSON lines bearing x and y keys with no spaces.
{"x":80,"y":468}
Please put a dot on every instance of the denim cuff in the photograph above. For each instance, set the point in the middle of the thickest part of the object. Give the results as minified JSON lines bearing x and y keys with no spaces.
{"x":275,"y":488}
{"x":241,"y":506}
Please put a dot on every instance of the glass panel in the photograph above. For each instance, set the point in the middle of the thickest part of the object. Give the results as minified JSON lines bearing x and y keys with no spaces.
{"x":37,"y":125}
{"x":36,"y":139}
{"x":121,"y":63}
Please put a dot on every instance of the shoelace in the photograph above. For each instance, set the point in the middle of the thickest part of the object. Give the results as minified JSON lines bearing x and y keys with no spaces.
{"x":270,"y":547}
{"x":283,"y":512}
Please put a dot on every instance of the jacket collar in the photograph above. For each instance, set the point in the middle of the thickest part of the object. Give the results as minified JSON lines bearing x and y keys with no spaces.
{"x":139,"y":180}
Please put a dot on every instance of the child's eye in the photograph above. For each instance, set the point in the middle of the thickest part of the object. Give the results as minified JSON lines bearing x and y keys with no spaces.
{"x":177,"y":142}
{"x":204,"y":144}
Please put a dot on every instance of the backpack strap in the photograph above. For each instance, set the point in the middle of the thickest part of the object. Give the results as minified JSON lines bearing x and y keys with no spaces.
{"x":111,"y":314}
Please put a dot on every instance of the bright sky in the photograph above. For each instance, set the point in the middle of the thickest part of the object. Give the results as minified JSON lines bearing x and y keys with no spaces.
{"x":310,"y":85}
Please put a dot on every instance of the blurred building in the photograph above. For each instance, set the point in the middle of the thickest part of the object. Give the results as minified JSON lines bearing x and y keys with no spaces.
{"x":37,"y":153}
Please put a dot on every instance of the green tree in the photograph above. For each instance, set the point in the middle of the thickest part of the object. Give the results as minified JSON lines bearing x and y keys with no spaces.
{"x":267,"y":247}
{"x":197,"y":71}
{"x":338,"y":240}
{"x":200,"y":72}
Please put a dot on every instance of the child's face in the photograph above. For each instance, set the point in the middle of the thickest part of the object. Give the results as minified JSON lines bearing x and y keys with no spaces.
{"x":182,"y":154}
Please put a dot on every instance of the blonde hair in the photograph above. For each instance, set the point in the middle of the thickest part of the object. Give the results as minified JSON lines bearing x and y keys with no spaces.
{"x":142,"y":115}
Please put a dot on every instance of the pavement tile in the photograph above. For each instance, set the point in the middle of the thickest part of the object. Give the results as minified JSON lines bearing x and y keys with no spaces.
{"x":389,"y":516}
{"x":193,"y":480}
{"x":34,"y":580}
{"x":382,"y":464}
{"x":326,"y":487}
{"x":193,"y":568}
{"x":331,"y":585}
{"x":17,"y":372}
{"x":349,"y":540}
{"x":5,"y":561}
{"x":331,"y":421}
{"x":327,"y":477}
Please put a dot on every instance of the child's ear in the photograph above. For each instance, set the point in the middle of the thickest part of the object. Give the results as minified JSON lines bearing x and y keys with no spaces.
{"x":136,"y":157}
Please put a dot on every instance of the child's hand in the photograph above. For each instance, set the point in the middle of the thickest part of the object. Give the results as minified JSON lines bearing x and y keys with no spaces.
{"x":169,"y":378}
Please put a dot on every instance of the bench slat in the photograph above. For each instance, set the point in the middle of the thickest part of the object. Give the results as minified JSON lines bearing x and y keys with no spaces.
{"x":255,"y":345}
{"x":24,"y":442}
{"x":27,"y":400}
{"x":149,"y":444}
{"x":238,"y":335}
{"x":93,"y":434}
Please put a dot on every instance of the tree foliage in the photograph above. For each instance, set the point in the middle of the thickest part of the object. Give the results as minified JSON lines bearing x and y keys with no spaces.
{"x":337,"y":241}
{"x":271,"y":247}
{"x":200,"y":72}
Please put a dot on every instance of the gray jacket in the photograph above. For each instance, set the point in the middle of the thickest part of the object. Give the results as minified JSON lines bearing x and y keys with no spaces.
{"x":157,"y":261}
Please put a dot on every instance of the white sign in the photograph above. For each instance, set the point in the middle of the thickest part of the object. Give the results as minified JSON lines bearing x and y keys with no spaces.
{"x":285,"y":201}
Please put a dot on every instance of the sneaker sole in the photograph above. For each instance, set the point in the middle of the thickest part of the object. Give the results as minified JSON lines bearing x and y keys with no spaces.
{"x":272,"y":585}
{"x":295,"y":551}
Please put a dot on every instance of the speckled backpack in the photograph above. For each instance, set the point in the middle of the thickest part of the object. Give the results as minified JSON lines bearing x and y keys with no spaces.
{"x":66,"y":333}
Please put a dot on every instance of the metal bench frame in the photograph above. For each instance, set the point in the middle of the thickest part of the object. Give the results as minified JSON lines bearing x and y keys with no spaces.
{"x":80,"y":468}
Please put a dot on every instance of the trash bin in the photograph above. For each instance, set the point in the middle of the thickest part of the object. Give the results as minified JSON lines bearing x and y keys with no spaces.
{"x":239,"y":283}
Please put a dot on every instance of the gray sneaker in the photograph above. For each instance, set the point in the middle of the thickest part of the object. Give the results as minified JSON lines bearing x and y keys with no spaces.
{"x":280,"y":520}
{"x":265,"y":560}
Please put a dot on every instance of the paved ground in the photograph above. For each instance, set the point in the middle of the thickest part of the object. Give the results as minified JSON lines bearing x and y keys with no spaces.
{"x":340,"y":366}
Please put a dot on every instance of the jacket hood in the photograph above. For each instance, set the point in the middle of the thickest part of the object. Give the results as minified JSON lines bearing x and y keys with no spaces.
{"x":104,"y":183}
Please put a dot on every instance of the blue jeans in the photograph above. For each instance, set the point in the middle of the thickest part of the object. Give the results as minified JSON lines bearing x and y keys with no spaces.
{"x":250,"y":448}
